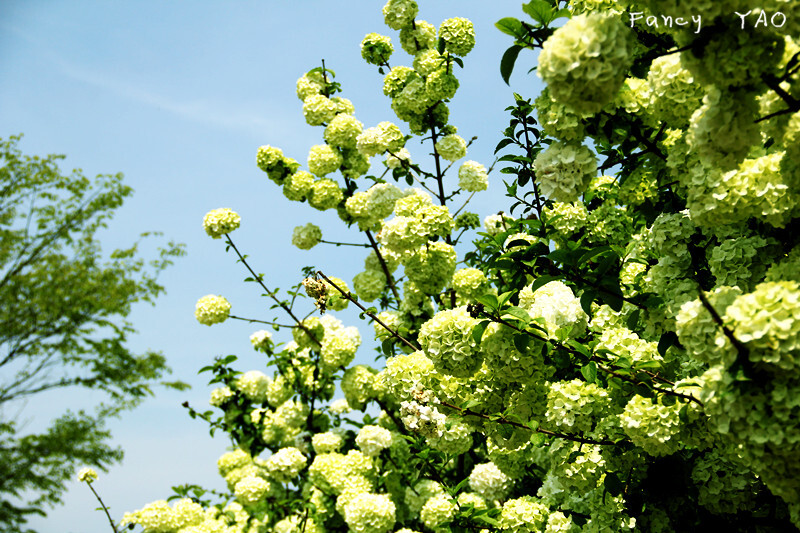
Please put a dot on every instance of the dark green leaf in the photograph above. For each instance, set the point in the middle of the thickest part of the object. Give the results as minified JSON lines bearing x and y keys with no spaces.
{"x":668,"y":338}
{"x":489,"y":300}
{"x":387,"y":347}
{"x":521,"y":342}
{"x":587,"y":298}
{"x":633,"y":320}
{"x":477,"y":331}
{"x":613,"y":484}
{"x":589,"y":372}
{"x":508,"y":61}
{"x":502,"y":144}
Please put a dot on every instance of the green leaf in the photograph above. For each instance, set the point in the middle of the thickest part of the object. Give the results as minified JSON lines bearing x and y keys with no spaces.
{"x":589,"y":372}
{"x":587,"y":298}
{"x":505,"y":297}
{"x":538,"y":439}
{"x":386,"y":347}
{"x":533,"y":425}
{"x":580,"y":348}
{"x":502,"y":144}
{"x":489,"y":300}
{"x":487,"y":519}
{"x":521,"y":342}
{"x":613,"y":484}
{"x":633,"y":320}
{"x":477,"y":331}
{"x":509,"y":26}
{"x":648,"y":365}
{"x":508,"y":61}
{"x":668,"y":338}
{"x":541,"y":281}
{"x":561,"y":359}
{"x":612,"y":298}
{"x":539,"y":10}
{"x":519,"y":313}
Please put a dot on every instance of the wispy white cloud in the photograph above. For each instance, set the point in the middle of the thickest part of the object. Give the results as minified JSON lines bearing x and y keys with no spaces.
{"x":220,"y":114}
{"x":201,"y":110}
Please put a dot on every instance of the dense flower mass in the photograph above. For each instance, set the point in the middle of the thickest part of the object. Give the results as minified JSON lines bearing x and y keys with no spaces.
{"x":614,"y":351}
{"x":447,"y":340}
{"x":564,"y":170}
{"x":472,"y":177}
{"x":585,"y":62}
{"x":306,"y":237}
{"x":212,"y":309}
{"x":220,"y":222}
{"x":452,"y":147}
{"x":376,"y":49}
{"x":87,"y":475}
{"x":458,"y":35}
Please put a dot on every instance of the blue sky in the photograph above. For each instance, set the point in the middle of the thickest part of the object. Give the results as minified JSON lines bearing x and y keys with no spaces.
{"x":178,"y":96}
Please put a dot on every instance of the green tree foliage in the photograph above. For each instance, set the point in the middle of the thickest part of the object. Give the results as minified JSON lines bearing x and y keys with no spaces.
{"x":63,"y":323}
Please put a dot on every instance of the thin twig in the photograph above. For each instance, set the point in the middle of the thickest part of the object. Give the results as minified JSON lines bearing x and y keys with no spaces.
{"x":574,"y":438}
{"x":276,"y":324}
{"x":103,"y":505}
{"x":271,"y":294}
{"x":345,"y":243}
{"x":384,"y":266}
{"x":347,"y":295}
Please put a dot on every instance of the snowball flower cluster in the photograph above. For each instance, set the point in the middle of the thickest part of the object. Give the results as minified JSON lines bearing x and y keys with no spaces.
{"x":219,"y":396}
{"x":432,"y":267}
{"x":384,"y":136}
{"x":286,"y":464}
{"x":488,"y":481}
{"x":585,"y":62}
{"x":220,"y":222}
{"x":767,"y":321}
{"x":438,"y":511}
{"x":523,"y":514}
{"x":87,"y":475}
{"x":370,"y":513}
{"x":415,"y":39}
{"x":472,"y":177}
{"x":652,"y":426}
{"x":318,"y":109}
{"x":211,"y":309}
{"x":447,"y":340}
{"x":306,"y":237}
{"x":498,"y":223}
{"x":376,"y":49}
{"x":254,"y":384}
{"x":397,"y":14}
{"x":251,"y":490}
{"x":564,"y":170}
{"x":325,"y":194}
{"x":451,"y":147}
{"x":373,"y":439}
{"x":458,"y":35}
{"x":555,"y":302}
{"x":327,"y":442}
{"x":261,"y":339}
{"x":343,"y":130}
{"x":323,"y":159}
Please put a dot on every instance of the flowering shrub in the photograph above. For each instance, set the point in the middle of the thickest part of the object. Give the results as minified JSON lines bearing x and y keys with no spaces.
{"x":621,"y":352}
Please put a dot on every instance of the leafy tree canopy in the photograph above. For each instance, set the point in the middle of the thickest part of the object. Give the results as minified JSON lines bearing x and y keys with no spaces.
{"x":63,"y":322}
